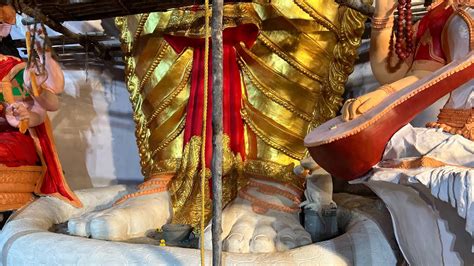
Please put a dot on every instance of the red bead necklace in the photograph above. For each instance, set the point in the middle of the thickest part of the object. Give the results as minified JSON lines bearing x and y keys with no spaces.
{"x":404,"y":40}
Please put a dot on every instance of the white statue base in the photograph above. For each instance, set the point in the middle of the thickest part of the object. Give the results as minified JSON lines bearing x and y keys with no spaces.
{"x":26,"y":239}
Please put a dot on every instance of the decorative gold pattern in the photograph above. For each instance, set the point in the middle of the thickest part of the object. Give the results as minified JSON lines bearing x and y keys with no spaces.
{"x":268,"y":139}
{"x":271,"y":95}
{"x":159,"y":56}
{"x":345,"y":53}
{"x":169,"y":99}
{"x":141,"y":23}
{"x":170,"y":138}
{"x":184,"y":188}
{"x":142,"y":133}
{"x":275,"y":172}
{"x":190,"y":21}
{"x":288,"y":59}
{"x":292,"y":80}
{"x":317,"y":16}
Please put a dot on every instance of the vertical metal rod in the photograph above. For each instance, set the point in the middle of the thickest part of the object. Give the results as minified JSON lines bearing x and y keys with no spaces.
{"x":217,"y":89}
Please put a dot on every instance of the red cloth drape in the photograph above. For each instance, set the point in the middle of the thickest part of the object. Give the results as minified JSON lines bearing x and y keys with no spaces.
{"x":232,"y":90}
{"x":53,"y":181}
{"x":17,"y":149}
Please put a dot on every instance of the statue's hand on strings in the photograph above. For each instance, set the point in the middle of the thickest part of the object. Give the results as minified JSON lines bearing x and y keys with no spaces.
{"x":355,"y":107}
{"x":15,"y":113}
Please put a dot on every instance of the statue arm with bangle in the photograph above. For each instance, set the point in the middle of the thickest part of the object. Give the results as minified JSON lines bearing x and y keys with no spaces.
{"x":386,"y":67}
{"x":414,"y":66}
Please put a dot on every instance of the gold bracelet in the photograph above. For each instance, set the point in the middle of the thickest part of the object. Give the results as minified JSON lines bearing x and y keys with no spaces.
{"x":382,"y":23}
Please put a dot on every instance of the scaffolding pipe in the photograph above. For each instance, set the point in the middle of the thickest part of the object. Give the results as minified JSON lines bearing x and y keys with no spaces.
{"x":217,"y":154}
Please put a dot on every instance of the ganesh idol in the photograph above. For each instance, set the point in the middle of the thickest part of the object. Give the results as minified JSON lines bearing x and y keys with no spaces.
{"x":28,"y":161}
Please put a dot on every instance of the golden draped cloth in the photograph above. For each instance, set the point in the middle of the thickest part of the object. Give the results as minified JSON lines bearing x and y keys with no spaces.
{"x":292,"y":80}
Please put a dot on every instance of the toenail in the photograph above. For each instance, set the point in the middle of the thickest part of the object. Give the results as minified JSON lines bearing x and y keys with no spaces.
{"x":287,"y":237}
{"x":236,"y":234}
{"x":261,"y":236}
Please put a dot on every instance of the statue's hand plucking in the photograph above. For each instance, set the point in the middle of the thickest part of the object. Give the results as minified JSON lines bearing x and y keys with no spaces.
{"x":354,"y":107}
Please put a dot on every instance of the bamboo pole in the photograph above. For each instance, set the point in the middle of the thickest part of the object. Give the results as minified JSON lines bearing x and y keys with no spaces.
{"x":217,"y":155}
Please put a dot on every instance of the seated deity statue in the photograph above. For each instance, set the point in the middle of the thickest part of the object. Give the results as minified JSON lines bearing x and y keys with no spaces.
{"x":28,"y":160}
{"x":285,"y":65}
{"x":440,"y":156}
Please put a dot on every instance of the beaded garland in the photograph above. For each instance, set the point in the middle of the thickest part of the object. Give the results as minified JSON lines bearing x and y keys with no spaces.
{"x":404,"y":36}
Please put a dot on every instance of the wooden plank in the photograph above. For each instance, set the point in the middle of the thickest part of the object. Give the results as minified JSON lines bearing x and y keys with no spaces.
{"x":74,"y":10}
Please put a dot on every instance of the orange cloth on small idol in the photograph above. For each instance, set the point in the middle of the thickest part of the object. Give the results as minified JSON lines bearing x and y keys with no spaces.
{"x":7,"y":14}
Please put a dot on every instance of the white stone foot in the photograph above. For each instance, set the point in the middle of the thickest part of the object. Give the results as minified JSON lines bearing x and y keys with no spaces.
{"x":129,"y":219}
{"x":245,"y":231}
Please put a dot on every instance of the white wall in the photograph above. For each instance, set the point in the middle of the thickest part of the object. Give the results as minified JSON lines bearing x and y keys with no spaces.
{"x":94,"y":130}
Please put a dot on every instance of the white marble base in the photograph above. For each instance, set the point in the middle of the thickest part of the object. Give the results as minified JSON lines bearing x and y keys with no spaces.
{"x":25,"y":240}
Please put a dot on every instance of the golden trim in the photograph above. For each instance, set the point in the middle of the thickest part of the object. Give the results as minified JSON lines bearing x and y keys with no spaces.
{"x":156,"y":61}
{"x":317,"y":17}
{"x":141,"y":23}
{"x":189,"y":21}
{"x":170,"y":97}
{"x":275,"y":49}
{"x":271,"y":95}
{"x":171,"y":137}
{"x":164,"y":167}
{"x":262,"y":135}
{"x":15,"y":70}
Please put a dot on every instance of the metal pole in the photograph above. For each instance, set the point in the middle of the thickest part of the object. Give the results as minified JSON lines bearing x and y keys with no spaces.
{"x":217,"y":88}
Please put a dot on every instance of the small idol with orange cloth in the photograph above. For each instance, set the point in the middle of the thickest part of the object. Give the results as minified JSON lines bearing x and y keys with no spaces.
{"x":28,"y":158}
